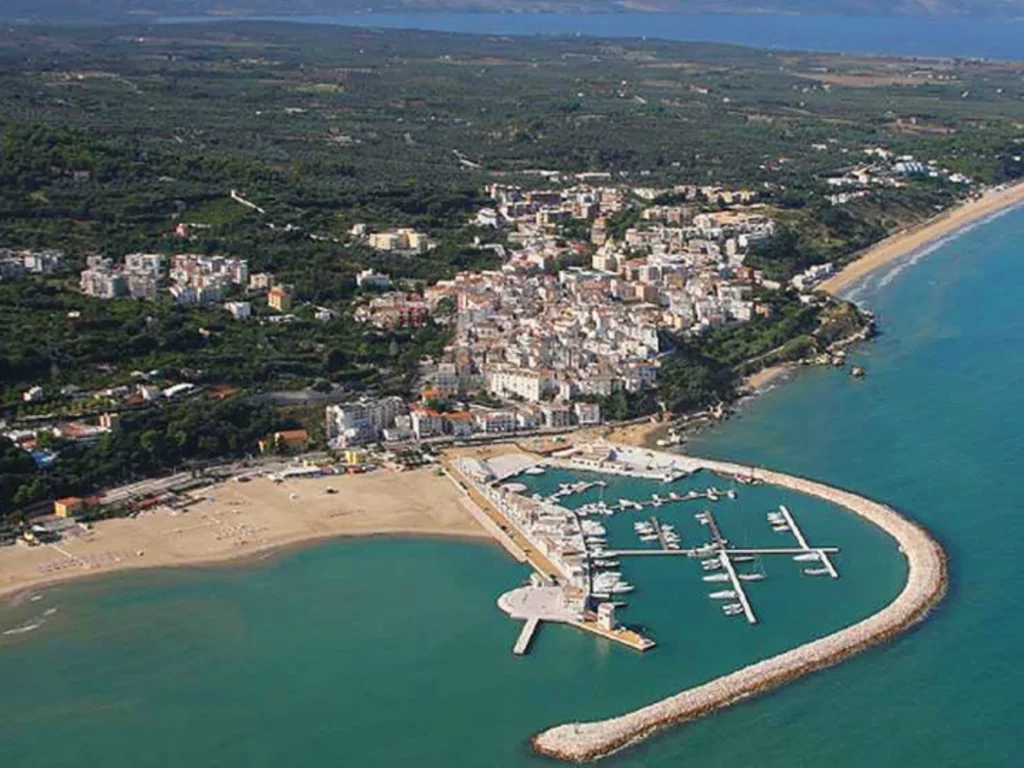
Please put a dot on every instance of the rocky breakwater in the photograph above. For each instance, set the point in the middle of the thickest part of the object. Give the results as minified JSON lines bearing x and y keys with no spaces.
{"x":926,"y":584}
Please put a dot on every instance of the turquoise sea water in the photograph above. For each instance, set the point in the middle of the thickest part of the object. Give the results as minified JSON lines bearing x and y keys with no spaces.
{"x":392,"y":652}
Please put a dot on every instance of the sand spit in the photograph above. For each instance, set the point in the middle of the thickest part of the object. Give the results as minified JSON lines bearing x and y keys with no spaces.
{"x":926,"y":584}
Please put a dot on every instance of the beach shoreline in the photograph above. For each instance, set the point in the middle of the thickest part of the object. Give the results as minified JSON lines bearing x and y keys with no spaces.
{"x":12,"y":595}
{"x":233,"y":523}
{"x":760,"y":382}
{"x":911,"y":240}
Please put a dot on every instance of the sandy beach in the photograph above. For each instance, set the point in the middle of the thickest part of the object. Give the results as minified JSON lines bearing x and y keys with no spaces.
{"x":760,"y":381}
{"x":908,"y":241}
{"x":237,"y":520}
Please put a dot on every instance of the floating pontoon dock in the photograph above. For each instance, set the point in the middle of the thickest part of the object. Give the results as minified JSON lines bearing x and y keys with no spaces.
{"x":799,"y":536}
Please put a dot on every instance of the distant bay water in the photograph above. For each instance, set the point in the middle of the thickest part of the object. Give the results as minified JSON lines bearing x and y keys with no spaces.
{"x":895,"y":35}
{"x":392,"y":652}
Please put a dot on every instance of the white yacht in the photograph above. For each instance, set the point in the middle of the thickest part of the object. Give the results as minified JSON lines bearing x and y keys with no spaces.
{"x":714,"y":577}
{"x":725,"y":594}
{"x":807,"y":557}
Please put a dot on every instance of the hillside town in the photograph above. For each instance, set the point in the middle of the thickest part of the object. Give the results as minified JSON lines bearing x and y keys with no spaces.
{"x":595,"y":280}
{"x":542,"y":343}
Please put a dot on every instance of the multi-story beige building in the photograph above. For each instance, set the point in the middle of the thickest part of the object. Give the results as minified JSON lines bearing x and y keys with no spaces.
{"x":279,"y":299}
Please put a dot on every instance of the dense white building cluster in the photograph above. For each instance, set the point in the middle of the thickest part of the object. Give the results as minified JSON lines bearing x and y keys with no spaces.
{"x":189,"y":278}
{"x":530,"y":333}
{"x":138,"y":276}
{"x":199,"y":279}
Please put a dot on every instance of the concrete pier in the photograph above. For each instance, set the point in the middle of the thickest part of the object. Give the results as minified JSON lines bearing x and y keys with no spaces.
{"x":723,"y":556}
{"x":526,"y":636}
{"x":661,"y":534}
{"x":695,"y":553}
{"x":737,"y":586}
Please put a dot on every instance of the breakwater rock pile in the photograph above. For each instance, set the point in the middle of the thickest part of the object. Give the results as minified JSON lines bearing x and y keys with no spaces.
{"x":925,"y":586}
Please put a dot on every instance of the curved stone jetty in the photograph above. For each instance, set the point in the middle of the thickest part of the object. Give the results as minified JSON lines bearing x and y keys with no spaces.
{"x":926,"y":584}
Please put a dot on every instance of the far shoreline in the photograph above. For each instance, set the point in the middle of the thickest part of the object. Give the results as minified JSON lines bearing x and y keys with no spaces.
{"x":914,"y":239}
